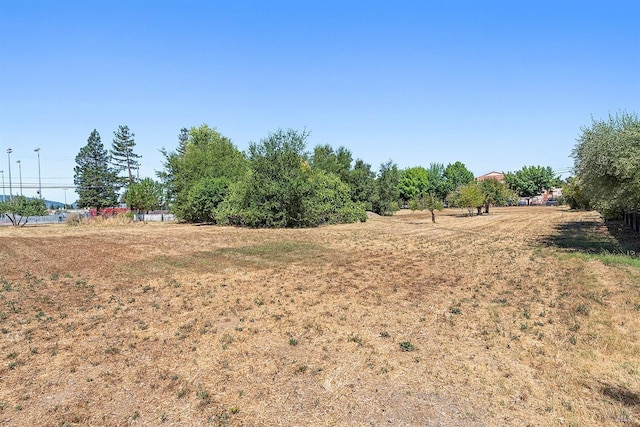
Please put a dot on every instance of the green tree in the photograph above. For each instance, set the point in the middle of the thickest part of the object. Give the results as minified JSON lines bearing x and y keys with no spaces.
{"x":282,"y":190}
{"x":337,"y":162}
{"x":531,"y":181}
{"x":495,"y":193}
{"x":467,"y":196}
{"x":413,"y":183}
{"x":204,"y":156}
{"x":329,"y":201}
{"x":455,"y":175}
{"x":122,"y":155}
{"x":145,"y":195}
{"x":362,"y":183}
{"x":95,"y":180}
{"x":387,"y":184}
{"x":607,"y":163}
{"x":19,"y":208}
{"x":437,"y":180}
{"x":183,"y":140}
{"x":573,"y":194}
{"x":430,"y":202}
{"x":203,"y":200}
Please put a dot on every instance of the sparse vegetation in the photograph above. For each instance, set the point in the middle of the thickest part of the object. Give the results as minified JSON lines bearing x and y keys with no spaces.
{"x":188,"y":324}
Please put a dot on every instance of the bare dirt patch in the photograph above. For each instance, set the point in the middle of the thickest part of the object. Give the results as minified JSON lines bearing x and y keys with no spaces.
{"x":481,"y":321}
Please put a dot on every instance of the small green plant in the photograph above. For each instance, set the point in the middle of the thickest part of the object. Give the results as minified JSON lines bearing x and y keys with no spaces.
{"x":406,"y":346}
{"x":226,"y":340}
{"x":203,"y":397}
{"x":234,"y":410}
{"x":355,"y":338}
{"x":385,"y":334}
{"x":583,"y":309}
{"x":293,"y":341}
{"x":111,"y":350}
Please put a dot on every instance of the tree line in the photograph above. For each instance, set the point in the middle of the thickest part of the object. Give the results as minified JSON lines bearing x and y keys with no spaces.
{"x":277,"y":183}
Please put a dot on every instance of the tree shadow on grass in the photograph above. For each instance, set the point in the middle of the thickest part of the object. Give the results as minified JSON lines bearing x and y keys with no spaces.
{"x":621,"y":394}
{"x":628,"y":398}
{"x":595,"y":236}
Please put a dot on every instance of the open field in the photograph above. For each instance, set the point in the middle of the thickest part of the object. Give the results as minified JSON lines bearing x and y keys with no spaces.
{"x":506,"y":319}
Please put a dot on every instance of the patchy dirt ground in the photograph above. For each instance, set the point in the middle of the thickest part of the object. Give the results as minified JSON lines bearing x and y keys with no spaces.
{"x":504,"y":319}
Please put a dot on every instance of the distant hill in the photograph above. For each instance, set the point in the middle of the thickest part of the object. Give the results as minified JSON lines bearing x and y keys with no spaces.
{"x":51,"y":204}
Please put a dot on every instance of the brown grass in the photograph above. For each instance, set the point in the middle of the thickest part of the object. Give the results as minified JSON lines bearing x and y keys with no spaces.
{"x":496,"y":320}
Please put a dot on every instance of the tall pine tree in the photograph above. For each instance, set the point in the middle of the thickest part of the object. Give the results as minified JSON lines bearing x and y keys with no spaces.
{"x":183,"y":139}
{"x":122,"y":155}
{"x":95,"y":180}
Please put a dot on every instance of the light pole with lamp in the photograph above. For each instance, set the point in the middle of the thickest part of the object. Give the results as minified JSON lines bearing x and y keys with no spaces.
{"x":20,"y":174}
{"x":37,"y":150}
{"x":9,"y":151}
{"x":3,"y":195}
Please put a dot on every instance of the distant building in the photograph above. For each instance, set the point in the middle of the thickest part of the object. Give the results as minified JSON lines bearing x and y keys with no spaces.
{"x":498,"y":176}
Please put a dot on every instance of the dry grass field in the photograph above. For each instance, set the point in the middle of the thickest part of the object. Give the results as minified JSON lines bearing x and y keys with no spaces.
{"x":509,"y":319}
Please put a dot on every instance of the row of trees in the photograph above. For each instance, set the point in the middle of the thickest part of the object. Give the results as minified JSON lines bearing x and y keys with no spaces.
{"x":607,"y":166}
{"x":277,"y":183}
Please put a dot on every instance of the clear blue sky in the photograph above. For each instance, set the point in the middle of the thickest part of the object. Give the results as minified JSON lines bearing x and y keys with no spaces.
{"x":496,"y":85}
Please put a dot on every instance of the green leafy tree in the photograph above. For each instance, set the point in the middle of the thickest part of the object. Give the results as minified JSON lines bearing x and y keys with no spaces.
{"x":531,"y":181}
{"x":19,"y":208}
{"x":204,"y":156}
{"x":495,"y":193}
{"x":607,"y":164}
{"x":467,"y":196}
{"x":145,"y":195}
{"x":573,"y":194}
{"x":96,"y":181}
{"x":122,"y":155}
{"x":362,"y":183}
{"x":413,"y":183}
{"x":430,"y":202}
{"x":283,"y":190}
{"x":329,"y":201}
{"x":203,"y":200}
{"x":437,"y":180}
{"x":455,"y":175}
{"x":337,"y":162}
{"x":387,"y":184}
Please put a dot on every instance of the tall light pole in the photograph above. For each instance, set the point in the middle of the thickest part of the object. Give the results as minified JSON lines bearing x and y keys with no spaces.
{"x":9,"y":151}
{"x":20,"y":173}
{"x":37,"y":150}
{"x":3,"y":195}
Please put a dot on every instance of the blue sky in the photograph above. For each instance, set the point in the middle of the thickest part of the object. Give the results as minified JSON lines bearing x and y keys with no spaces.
{"x":496,"y":85}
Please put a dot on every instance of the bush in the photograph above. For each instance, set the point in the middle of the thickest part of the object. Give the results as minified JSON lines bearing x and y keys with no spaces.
{"x":202,"y":200}
{"x":74,"y":220}
{"x":282,"y":190}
